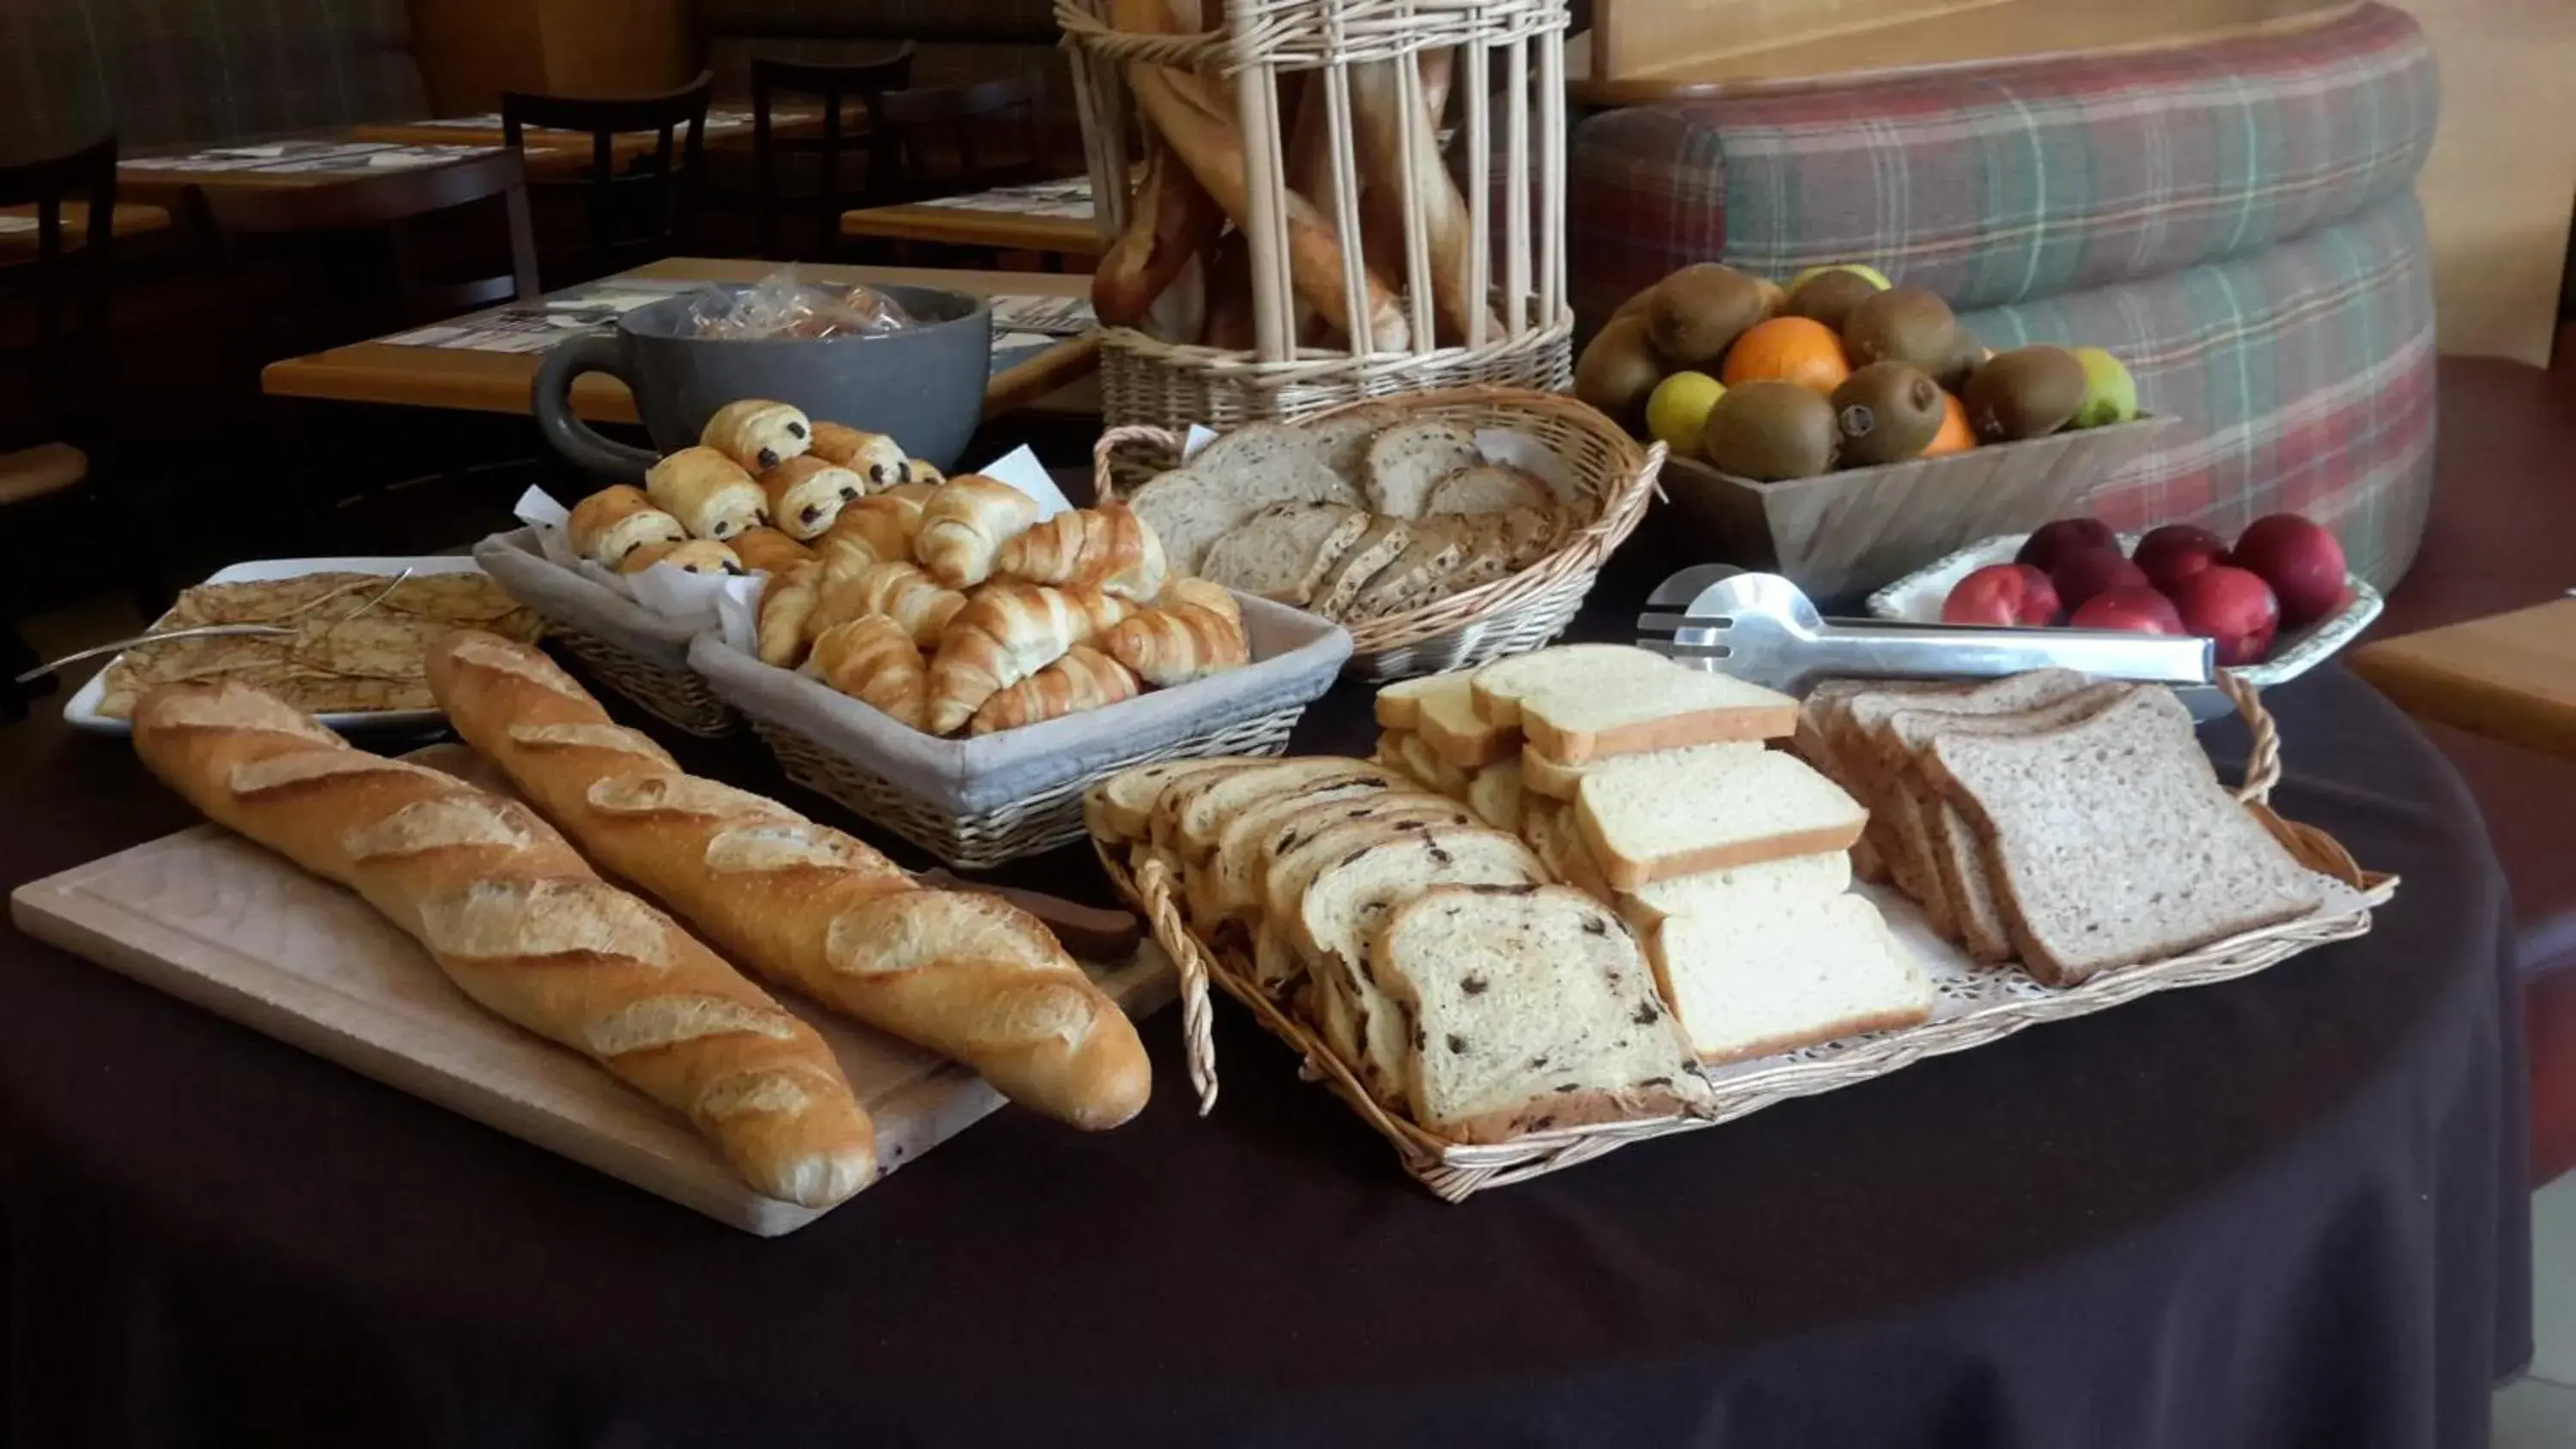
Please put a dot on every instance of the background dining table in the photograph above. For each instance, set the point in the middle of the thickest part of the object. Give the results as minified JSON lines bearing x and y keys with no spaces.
{"x":1050,"y":218}
{"x":2285,"y":1210}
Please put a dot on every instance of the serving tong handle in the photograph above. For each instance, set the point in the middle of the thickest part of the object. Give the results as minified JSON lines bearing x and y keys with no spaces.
{"x":1886,"y":650}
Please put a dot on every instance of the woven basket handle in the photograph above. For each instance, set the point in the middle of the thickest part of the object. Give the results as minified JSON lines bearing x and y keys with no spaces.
{"x":2263,"y":766}
{"x":1154,"y":885}
{"x":1103,"y":488}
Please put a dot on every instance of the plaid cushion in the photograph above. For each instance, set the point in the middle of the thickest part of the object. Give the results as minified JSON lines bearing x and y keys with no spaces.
{"x":2303,"y":377}
{"x":1998,"y":185}
{"x":161,"y":71}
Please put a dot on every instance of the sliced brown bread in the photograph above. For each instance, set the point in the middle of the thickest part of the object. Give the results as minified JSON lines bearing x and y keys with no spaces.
{"x":2112,"y":842}
{"x":1433,"y":550}
{"x":1532,"y":1010}
{"x":1819,"y":716}
{"x":1407,"y":461}
{"x":1487,"y":488}
{"x":1274,"y":553}
{"x":1383,"y":542}
{"x":1283,"y":461}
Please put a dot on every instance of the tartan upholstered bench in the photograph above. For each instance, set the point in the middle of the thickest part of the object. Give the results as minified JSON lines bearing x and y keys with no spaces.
{"x":2237,"y":221}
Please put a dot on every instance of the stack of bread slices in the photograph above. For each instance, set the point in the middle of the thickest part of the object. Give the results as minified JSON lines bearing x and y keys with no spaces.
{"x":1648,"y":784}
{"x":1432,"y":954}
{"x":2047,"y":817}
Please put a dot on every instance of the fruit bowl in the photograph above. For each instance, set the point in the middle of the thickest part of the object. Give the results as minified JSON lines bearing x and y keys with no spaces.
{"x":1916,"y":598}
{"x":1839,"y":535}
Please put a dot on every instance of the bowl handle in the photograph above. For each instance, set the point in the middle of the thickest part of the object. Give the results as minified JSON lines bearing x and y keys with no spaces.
{"x":550,"y":397}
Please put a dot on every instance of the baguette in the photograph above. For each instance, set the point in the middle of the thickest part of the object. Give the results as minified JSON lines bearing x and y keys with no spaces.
{"x":1380,"y":119}
{"x":523,"y":926}
{"x":1173,"y":220}
{"x":968,"y":976}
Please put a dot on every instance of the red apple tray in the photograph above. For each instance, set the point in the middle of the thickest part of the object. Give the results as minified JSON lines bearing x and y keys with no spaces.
{"x":1916,"y":598}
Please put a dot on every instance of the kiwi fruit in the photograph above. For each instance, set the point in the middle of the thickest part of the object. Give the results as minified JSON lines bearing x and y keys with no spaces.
{"x":1697,"y":313}
{"x":1770,"y":432}
{"x":1829,"y":297}
{"x":1967,"y":354}
{"x":2028,"y":392}
{"x":1619,"y":370}
{"x":1886,"y":413}
{"x":1901,"y":324}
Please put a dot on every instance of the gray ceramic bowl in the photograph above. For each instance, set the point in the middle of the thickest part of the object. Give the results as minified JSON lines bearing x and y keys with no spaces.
{"x":923,"y":385}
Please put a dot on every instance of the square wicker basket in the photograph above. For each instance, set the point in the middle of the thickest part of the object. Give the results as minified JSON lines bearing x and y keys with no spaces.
{"x":631,"y":649}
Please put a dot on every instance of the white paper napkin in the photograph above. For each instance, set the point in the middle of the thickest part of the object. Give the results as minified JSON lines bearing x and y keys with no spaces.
{"x":722,"y":601}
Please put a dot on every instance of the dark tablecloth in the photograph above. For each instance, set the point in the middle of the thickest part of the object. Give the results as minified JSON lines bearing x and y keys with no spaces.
{"x":2283,"y":1211}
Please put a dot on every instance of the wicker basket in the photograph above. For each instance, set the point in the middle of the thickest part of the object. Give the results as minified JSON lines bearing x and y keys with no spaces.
{"x":1454,"y":1171}
{"x":644,"y":658}
{"x":1270,"y":60}
{"x":1510,"y":615}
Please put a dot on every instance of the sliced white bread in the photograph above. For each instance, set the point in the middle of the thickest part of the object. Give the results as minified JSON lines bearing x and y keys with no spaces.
{"x":1747,"y":890}
{"x":1383,"y":542}
{"x":1643,"y":823}
{"x":1201,"y":892}
{"x":1122,"y":806}
{"x":1447,"y":721}
{"x":1624,"y":710}
{"x":1500,"y":685}
{"x":1407,"y":461}
{"x":1399,"y":705}
{"x":1487,"y":488}
{"x":1747,"y":984}
{"x":1495,"y":795}
{"x":1274,"y":553}
{"x":1433,"y":550}
{"x":1543,"y":776}
{"x":2111,"y":841}
{"x":1426,"y":766}
{"x":1532,"y":1010}
{"x":1553,"y":836}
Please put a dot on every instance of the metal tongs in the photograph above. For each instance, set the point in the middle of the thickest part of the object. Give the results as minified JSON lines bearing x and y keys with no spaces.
{"x":211,"y":631}
{"x":1763,"y":629}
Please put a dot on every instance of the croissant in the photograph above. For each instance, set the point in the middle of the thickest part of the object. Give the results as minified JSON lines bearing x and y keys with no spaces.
{"x":873,"y":456}
{"x":895,"y":589}
{"x":1006,"y":633}
{"x":1194,"y":630}
{"x":883,"y":525}
{"x":964,"y":526}
{"x":1083,"y":679}
{"x":919,"y":491}
{"x":614,"y":522}
{"x":806,"y":494}
{"x":1108,"y":547}
{"x":767,"y":551}
{"x":1101,"y":612}
{"x":697,"y":556}
{"x":757,"y":434}
{"x":872,"y":660}
{"x":708,"y":492}
{"x":785,"y":606}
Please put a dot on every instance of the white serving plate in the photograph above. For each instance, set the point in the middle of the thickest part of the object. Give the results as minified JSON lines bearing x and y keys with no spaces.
{"x":81,"y":711}
{"x":1916,"y":598}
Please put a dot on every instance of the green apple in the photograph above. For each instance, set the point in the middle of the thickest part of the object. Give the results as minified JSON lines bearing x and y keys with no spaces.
{"x":2110,"y":394}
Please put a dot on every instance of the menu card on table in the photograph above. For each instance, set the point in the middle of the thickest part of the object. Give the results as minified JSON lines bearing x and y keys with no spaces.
{"x":274,"y":158}
{"x":1069,"y":198}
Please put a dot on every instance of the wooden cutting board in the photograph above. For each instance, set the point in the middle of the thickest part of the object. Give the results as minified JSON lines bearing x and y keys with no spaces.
{"x":211,"y":918}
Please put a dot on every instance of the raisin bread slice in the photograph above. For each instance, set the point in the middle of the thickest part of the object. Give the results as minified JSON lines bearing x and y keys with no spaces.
{"x":1291,"y":859}
{"x":1225,"y":884}
{"x":1532,"y":1010}
{"x":1121,"y":808}
{"x":1191,"y":811}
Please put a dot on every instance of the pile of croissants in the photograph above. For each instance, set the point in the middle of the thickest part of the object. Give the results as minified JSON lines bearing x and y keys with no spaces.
{"x":764,"y":481}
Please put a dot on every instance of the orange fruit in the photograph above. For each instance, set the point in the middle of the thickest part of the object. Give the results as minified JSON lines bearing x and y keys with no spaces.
{"x":1955,"y":435}
{"x":1788,"y":349}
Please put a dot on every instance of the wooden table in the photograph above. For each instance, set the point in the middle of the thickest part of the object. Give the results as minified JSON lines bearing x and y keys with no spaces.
{"x":569,"y":150}
{"x":946,"y":222}
{"x":18,"y":233}
{"x":498,"y":382}
{"x":154,"y":176}
{"x":2509,"y":677}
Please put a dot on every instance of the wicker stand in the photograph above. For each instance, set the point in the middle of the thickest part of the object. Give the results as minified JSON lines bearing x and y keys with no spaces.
{"x":1291,"y":76}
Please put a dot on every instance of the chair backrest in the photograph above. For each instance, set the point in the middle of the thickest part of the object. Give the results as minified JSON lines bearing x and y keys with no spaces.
{"x":392,"y":203}
{"x":66,"y":364}
{"x":964,"y":118}
{"x":833,"y":85}
{"x":641,"y":207}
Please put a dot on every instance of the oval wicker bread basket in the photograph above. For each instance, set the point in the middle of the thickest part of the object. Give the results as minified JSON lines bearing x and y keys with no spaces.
{"x":1455,"y":1171}
{"x":1510,"y":615}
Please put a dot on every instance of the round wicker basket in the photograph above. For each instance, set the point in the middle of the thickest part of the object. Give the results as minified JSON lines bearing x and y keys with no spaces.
{"x":1510,"y":615}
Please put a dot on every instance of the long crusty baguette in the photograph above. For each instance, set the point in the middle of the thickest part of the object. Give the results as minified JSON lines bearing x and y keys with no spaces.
{"x":1380,"y":120}
{"x":1174,"y":220}
{"x":968,"y":976}
{"x":522,"y":925}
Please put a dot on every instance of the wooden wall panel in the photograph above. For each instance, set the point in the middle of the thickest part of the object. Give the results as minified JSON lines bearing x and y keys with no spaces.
{"x":472,"y":50}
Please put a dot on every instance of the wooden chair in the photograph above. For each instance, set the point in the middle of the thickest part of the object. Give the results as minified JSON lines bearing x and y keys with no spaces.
{"x":834,"y":85}
{"x":942,"y":133}
{"x":635,"y":212}
{"x":64,"y":356}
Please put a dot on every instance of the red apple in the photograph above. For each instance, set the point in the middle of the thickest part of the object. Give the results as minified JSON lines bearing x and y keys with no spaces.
{"x":2054,"y":541}
{"x":2232,"y":607}
{"x":2086,"y":572}
{"x":2135,"y":607}
{"x":2175,"y":552}
{"x":2300,"y":560}
{"x":2002,"y":594}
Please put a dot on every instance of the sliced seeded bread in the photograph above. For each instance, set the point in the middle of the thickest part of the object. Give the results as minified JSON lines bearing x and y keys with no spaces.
{"x":1543,"y":776}
{"x":1486,"y":552}
{"x":1624,"y":709}
{"x":2112,"y":842}
{"x":1499,"y":686}
{"x":1407,"y":461}
{"x":1487,"y":488}
{"x":1380,"y":545}
{"x":1767,"y":888}
{"x":1531,"y":534}
{"x":1279,"y":461}
{"x":1341,"y":441}
{"x":1532,"y":1009}
{"x":1751,"y":983}
{"x":1274,"y":554}
{"x":1646,"y":823}
{"x":1433,"y":550}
